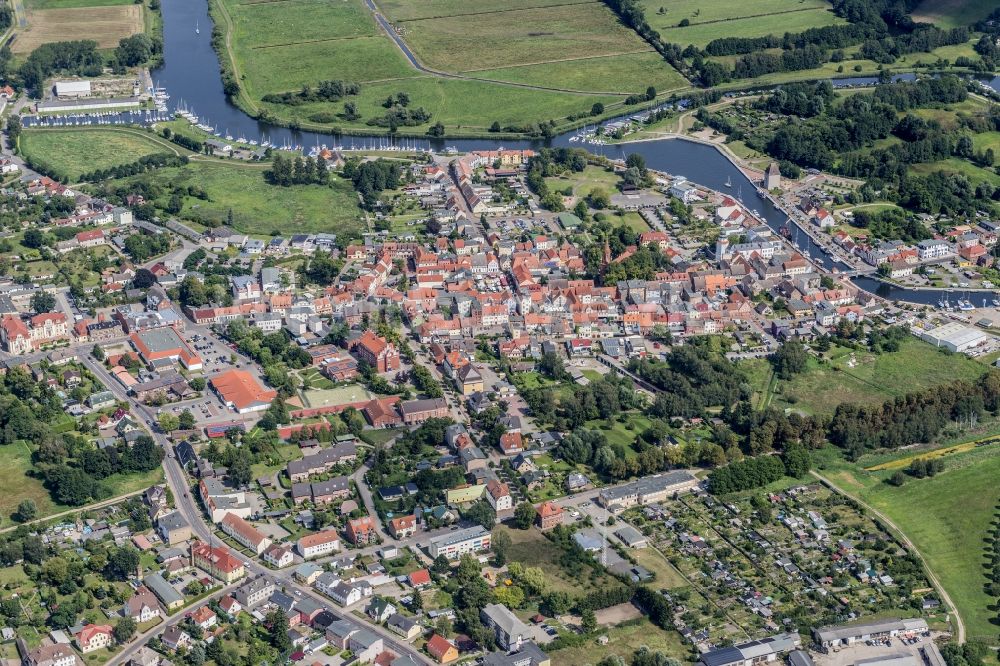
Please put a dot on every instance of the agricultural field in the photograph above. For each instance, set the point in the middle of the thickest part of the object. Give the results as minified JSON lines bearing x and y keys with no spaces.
{"x":521,"y":37}
{"x":946,"y":517}
{"x":757,"y":18}
{"x":106,"y":25}
{"x":258,"y":207}
{"x":952,"y":13}
{"x":77,"y":151}
{"x":622,"y":74}
{"x":860,"y":377}
{"x":69,"y":4}
{"x":533,"y":61}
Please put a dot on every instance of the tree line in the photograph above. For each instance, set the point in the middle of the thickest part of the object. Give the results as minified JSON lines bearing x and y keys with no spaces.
{"x":915,"y":417}
{"x":325,"y":91}
{"x":298,"y":170}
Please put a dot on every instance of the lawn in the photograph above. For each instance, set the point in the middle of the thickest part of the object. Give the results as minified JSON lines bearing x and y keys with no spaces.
{"x":256,"y":206}
{"x":584,"y":182}
{"x":630,"y":73}
{"x":622,"y":434}
{"x":947,"y":517}
{"x":874,"y":378}
{"x":623,"y":640}
{"x":952,"y":13}
{"x":336,"y":396}
{"x":77,"y":151}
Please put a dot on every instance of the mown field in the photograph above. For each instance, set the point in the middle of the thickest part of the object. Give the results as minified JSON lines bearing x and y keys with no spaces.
{"x":106,"y":25}
{"x":874,"y":378}
{"x":77,"y":151}
{"x":953,"y":13}
{"x":258,"y":207}
{"x":947,"y":517}
{"x":521,"y":36}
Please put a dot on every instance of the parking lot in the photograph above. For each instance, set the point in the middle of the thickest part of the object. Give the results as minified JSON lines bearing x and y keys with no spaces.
{"x":851,"y":654}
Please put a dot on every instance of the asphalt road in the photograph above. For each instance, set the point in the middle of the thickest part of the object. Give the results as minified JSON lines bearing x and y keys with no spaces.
{"x":191,"y":512}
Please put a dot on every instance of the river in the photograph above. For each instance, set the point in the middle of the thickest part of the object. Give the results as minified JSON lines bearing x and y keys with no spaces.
{"x":190,"y":74}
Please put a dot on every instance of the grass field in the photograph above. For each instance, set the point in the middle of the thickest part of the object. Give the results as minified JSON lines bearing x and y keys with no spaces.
{"x":947,"y":517}
{"x":974,"y":173}
{"x":258,"y":207}
{"x":534,"y":550}
{"x":623,"y":641}
{"x":874,"y":378}
{"x":336,"y":396}
{"x":532,"y":61}
{"x":718,"y":18}
{"x":459,"y":104}
{"x":520,"y":37}
{"x":952,"y":13}
{"x":701,"y":34}
{"x":77,"y":151}
{"x":105,"y":25}
{"x":630,"y":73}
{"x":15,"y":464}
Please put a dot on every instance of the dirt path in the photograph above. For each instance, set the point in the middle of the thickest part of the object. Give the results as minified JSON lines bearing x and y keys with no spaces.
{"x":899,"y":534}
{"x":69,"y":512}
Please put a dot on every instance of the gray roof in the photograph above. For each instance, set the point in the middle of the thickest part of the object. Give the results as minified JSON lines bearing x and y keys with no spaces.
{"x":528,"y":655}
{"x":504,"y":618}
{"x":841,"y":632}
{"x":648,"y":485}
{"x":162,"y":589}
{"x":459,"y":536}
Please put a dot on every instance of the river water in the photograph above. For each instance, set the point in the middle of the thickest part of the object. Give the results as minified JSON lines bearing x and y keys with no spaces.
{"x":190,"y":74}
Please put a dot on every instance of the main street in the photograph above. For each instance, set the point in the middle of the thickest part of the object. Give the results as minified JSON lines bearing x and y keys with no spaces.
{"x":192,"y":513}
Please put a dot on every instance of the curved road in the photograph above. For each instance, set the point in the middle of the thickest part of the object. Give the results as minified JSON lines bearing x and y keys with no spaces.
{"x":189,"y":508}
{"x":901,"y":535}
{"x":420,"y":67}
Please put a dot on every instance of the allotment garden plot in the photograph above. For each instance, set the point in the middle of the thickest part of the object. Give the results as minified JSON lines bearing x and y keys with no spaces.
{"x":804,"y":555}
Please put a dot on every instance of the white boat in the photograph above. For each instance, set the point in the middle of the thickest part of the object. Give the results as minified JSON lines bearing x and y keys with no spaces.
{"x":729,"y":182}
{"x":197,"y":30}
